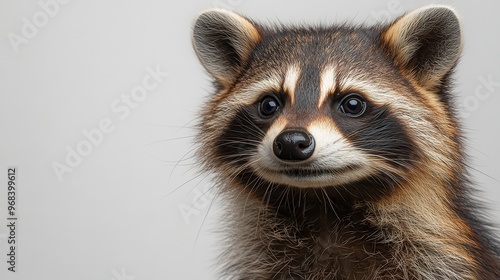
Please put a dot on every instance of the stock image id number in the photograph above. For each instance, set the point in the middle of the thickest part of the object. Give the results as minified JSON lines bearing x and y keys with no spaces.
{"x":11,"y":192}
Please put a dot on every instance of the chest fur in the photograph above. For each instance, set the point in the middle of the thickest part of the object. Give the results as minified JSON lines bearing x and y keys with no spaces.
{"x":317,"y":243}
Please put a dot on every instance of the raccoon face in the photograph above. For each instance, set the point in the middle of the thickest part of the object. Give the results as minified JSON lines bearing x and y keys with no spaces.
{"x":328,"y":106}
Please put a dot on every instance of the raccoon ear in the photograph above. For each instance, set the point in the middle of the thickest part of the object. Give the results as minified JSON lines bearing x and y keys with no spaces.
{"x":426,"y":43}
{"x":223,"y":41}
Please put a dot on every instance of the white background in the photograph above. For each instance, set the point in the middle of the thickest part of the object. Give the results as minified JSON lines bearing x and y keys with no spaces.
{"x":131,"y":209}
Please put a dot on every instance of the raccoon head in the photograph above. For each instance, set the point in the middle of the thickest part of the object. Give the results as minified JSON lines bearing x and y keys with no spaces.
{"x":314,"y":107}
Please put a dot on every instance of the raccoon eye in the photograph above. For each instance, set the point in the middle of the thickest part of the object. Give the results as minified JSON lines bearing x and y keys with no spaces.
{"x":268,"y":106}
{"x":353,"y":105}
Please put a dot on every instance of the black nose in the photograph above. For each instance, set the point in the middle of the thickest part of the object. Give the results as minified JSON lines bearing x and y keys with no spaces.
{"x":293,"y":145}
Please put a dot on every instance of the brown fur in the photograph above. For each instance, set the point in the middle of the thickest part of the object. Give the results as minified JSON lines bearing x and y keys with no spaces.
{"x":406,"y":213}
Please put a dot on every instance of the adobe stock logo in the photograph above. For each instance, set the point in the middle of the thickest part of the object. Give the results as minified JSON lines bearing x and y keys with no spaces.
{"x":201,"y":201}
{"x":484,"y":89}
{"x":39,"y":19}
{"x":121,"y":107}
{"x":393,"y":8}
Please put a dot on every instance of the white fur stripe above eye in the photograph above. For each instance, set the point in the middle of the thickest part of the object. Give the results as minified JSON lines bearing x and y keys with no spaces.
{"x":402,"y":106}
{"x":252,"y":93}
{"x":327,"y":84}
{"x":291,"y":77}
{"x":418,"y":119}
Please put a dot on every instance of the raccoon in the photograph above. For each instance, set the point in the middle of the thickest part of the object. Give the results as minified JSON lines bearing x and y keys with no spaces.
{"x":338,"y":152}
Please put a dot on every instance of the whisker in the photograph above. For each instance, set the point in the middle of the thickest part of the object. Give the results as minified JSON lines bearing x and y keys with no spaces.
{"x":205,"y":217}
{"x":485,"y":174}
{"x":182,"y":159}
{"x":170,"y":139}
{"x":185,"y":183}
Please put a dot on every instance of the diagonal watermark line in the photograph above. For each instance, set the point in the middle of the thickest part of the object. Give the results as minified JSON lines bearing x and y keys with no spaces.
{"x":31,"y":26}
